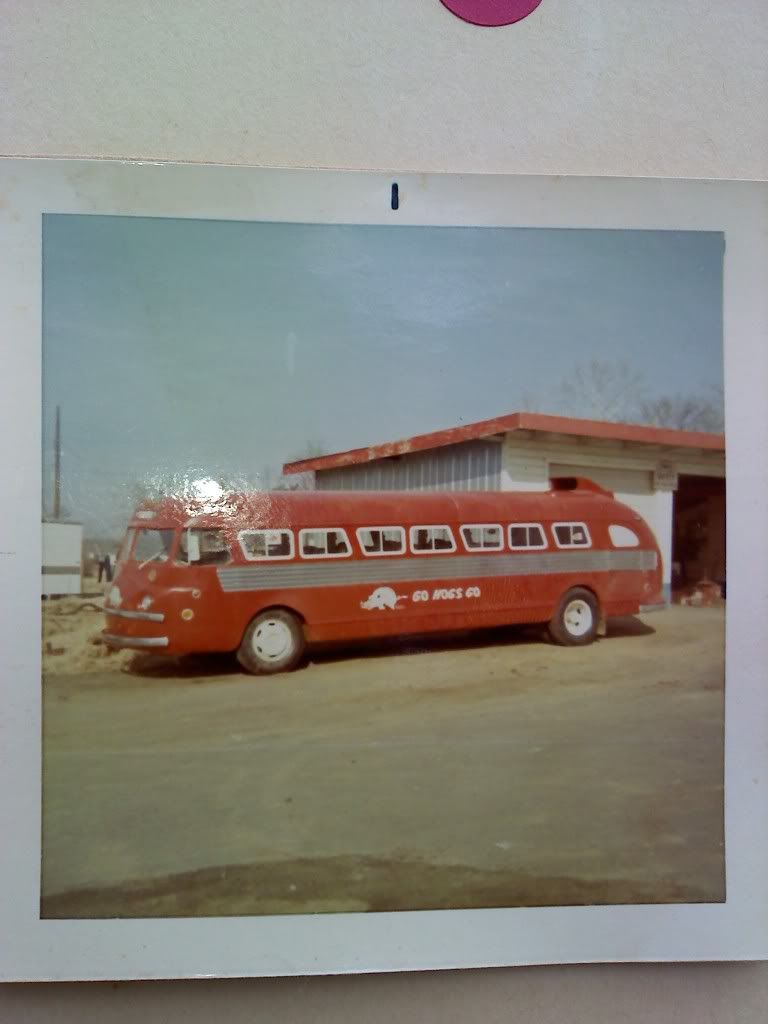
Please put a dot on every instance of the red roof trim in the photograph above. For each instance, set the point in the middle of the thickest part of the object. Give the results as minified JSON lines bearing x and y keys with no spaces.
{"x":515,"y":421}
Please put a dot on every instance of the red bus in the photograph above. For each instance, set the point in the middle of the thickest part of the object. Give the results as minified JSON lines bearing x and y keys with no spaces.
{"x":267,"y":573}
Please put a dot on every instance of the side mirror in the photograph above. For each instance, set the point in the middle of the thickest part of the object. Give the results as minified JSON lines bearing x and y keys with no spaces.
{"x":193,"y":546}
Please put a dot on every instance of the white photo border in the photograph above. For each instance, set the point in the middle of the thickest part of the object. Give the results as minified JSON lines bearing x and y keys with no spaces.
{"x":38,"y":949}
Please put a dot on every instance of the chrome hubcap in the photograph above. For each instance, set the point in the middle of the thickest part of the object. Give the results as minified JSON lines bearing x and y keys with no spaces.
{"x":578,"y":617}
{"x":272,"y":640}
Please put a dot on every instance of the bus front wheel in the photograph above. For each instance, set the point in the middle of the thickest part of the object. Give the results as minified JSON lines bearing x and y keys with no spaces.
{"x":273,"y":642}
{"x":576,"y":620}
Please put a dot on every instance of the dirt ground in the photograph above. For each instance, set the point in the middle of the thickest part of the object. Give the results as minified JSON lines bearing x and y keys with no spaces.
{"x":72,"y":637}
{"x":489,"y":770}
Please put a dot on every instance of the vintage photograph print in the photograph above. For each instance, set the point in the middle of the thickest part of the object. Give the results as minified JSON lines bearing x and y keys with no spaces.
{"x":384,"y":567}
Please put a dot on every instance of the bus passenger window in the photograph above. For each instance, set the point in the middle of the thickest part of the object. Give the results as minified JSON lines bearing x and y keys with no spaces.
{"x":523,"y":536}
{"x":382,"y":540}
{"x":482,"y":537}
{"x":571,"y":535}
{"x":312,"y":543}
{"x":429,"y":539}
{"x":262,"y":544}
{"x":337,"y":543}
{"x":536,"y":538}
{"x":331,"y":543}
{"x":393,"y":541}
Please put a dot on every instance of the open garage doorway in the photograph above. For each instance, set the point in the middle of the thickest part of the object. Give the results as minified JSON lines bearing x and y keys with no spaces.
{"x":698,"y":532}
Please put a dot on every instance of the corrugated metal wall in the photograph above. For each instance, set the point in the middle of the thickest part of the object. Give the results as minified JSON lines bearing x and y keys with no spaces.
{"x":469,"y":466}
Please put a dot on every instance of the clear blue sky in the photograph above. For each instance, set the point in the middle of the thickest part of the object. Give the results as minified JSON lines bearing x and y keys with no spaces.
{"x":223,"y":349}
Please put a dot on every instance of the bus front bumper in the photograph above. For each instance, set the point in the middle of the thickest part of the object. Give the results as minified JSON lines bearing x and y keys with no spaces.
{"x":139,"y":642}
{"x":125,"y":613}
{"x":131,"y":629}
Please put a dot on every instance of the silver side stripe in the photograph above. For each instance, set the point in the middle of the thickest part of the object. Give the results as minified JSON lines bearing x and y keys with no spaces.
{"x":428,"y":568}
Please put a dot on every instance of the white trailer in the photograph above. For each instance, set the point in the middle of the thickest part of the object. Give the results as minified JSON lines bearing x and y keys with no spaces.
{"x":62,"y":558}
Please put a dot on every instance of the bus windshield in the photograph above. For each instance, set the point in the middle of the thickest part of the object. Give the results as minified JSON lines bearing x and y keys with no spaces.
{"x":125,"y":546}
{"x":152,"y":545}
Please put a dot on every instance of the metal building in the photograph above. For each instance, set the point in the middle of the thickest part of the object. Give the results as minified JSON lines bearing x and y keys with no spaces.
{"x":674,"y":478}
{"x":466,"y":466}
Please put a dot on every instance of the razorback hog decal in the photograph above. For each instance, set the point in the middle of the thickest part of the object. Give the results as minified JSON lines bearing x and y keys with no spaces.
{"x":381,"y":598}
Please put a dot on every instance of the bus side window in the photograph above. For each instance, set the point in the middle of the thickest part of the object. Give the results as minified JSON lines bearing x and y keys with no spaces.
{"x":312,"y":542}
{"x":393,"y":540}
{"x":336,"y":543}
{"x":200,"y":546}
{"x":326,"y":543}
{"x":524,"y":536}
{"x":428,"y":539}
{"x":482,"y":537}
{"x":263,"y":544}
{"x":571,"y":535}
{"x":381,"y":540}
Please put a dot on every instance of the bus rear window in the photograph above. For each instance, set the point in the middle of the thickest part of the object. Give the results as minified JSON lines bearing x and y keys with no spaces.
{"x":152,"y":545}
{"x":203,"y":547}
{"x":622,"y":536}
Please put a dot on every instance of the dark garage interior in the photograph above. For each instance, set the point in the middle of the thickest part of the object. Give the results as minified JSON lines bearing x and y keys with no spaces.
{"x":698,"y":538}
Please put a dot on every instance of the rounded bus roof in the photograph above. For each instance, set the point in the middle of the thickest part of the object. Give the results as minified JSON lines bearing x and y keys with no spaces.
{"x":360,"y":508}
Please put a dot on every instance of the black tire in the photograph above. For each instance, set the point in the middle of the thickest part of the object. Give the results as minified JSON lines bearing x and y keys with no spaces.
{"x":576,"y":621}
{"x":273,"y":642}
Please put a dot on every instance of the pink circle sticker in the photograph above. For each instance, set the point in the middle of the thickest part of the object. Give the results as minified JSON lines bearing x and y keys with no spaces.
{"x":491,"y":12}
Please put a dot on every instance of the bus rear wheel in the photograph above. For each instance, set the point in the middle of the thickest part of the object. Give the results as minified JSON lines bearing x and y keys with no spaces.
{"x":273,"y":642}
{"x":576,"y":621}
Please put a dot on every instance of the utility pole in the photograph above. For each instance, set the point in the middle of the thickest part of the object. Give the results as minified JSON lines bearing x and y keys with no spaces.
{"x":57,"y":466}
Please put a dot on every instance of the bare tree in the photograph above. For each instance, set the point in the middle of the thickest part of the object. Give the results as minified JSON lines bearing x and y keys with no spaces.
{"x":530,"y":402}
{"x":684,"y":413}
{"x":310,"y":450}
{"x":614,"y":390}
{"x":604,"y":389}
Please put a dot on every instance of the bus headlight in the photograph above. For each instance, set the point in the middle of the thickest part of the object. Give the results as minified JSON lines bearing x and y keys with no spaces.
{"x":187,"y":614}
